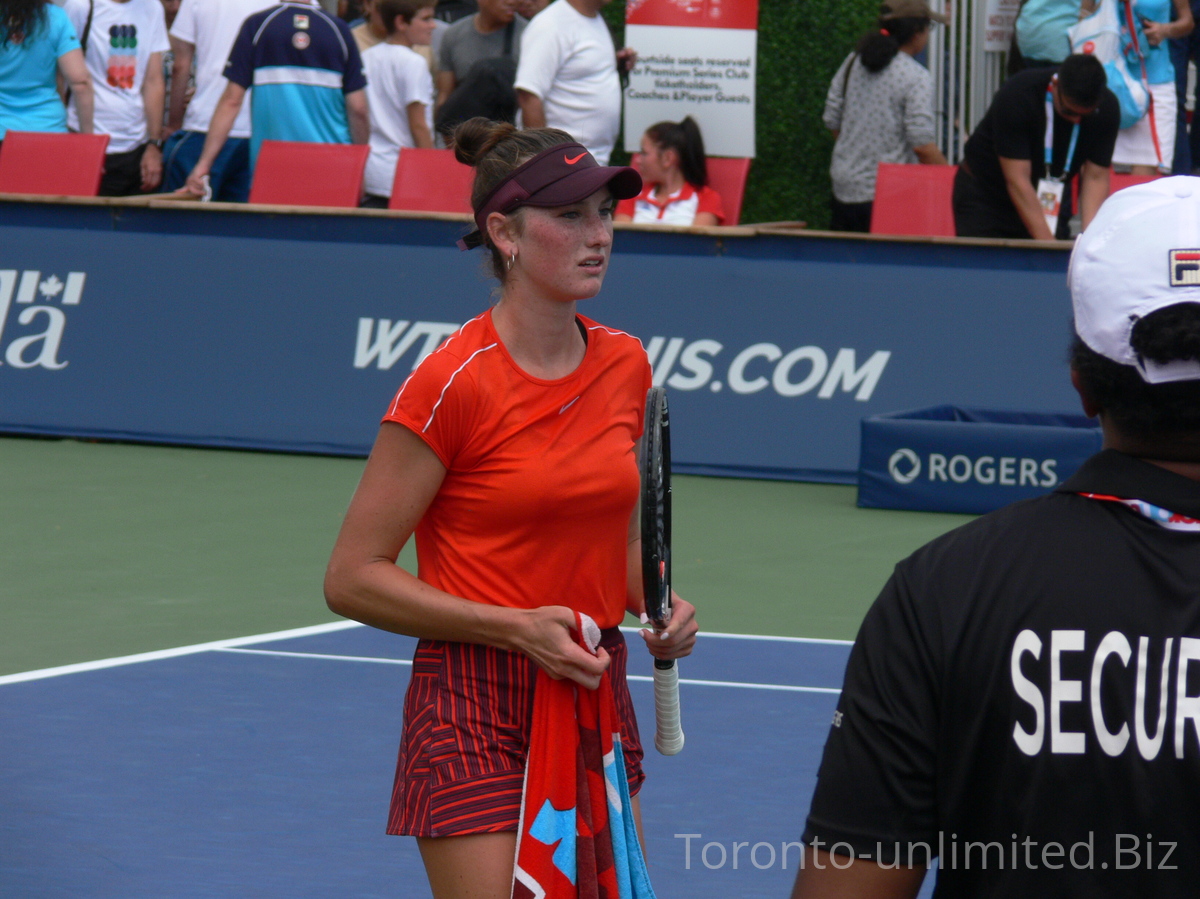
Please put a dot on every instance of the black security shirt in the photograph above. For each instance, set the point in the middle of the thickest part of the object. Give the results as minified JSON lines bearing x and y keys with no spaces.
{"x":1004,"y":703}
{"x":1015,"y":127}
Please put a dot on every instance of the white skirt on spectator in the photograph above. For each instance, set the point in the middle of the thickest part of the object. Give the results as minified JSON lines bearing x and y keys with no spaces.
{"x":1135,"y":145}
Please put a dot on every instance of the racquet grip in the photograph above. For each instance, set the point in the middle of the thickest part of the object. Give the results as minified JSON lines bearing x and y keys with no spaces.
{"x":668,"y":738}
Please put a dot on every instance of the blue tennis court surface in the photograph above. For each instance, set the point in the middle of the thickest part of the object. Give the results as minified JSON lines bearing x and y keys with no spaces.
{"x":263,"y":767}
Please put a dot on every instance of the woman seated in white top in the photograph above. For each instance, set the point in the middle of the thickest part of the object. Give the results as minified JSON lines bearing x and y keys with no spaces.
{"x":675,"y":179}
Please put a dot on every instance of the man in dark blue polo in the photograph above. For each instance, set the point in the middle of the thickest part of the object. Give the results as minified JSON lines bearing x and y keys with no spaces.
{"x":308,"y":83}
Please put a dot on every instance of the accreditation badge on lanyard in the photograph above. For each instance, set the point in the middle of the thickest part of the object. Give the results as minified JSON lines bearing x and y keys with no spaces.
{"x":1050,"y":188}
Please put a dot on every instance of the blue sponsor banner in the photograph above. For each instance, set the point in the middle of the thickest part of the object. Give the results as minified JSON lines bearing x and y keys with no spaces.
{"x":948,"y":459}
{"x":237,"y":328}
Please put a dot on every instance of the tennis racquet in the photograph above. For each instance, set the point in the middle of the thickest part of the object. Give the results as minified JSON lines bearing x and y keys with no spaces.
{"x":656,"y":562}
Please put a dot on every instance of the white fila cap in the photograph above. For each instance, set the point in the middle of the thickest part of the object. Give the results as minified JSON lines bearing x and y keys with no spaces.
{"x":1141,"y":253}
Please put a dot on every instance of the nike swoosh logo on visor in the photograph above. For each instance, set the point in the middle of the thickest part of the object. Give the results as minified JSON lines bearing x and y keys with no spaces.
{"x":575,"y":160}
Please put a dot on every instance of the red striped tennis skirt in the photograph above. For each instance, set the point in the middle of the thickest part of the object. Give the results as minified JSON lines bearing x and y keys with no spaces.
{"x":467,"y":717}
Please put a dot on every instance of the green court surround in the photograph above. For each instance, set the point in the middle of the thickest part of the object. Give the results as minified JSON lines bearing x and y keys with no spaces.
{"x":114,"y":549}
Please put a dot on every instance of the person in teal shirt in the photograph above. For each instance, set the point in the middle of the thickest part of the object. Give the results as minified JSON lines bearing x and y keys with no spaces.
{"x":1041,"y":31}
{"x":37,"y":43}
{"x":1148,"y":147}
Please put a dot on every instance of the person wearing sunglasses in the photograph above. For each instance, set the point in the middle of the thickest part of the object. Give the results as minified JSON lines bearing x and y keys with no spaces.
{"x":1044,"y":128}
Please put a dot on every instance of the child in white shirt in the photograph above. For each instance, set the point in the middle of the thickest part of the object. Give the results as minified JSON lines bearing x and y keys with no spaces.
{"x":399,"y":93}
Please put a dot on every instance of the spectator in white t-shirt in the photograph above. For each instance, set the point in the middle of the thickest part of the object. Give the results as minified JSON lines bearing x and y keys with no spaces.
{"x":203,"y":34}
{"x":399,"y":93}
{"x":125,"y":43}
{"x":567,"y":77}
{"x":371,"y":31}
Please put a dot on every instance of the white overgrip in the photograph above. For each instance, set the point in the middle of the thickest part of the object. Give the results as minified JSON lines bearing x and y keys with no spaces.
{"x":668,"y":738}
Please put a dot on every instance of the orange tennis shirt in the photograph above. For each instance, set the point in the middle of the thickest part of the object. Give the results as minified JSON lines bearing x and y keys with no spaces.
{"x":541,"y":476}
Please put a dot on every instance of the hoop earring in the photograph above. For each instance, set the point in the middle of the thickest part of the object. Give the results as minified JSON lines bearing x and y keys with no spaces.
{"x":512,"y":260}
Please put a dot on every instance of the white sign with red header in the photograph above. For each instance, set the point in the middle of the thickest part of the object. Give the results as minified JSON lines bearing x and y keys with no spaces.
{"x":999,"y":21}
{"x":697,"y":58}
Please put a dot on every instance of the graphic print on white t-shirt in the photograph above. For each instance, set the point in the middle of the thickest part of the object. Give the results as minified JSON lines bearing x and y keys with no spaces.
{"x":120,"y":42}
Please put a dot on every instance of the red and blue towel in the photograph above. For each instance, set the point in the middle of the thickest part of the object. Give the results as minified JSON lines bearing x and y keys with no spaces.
{"x":577,"y":838}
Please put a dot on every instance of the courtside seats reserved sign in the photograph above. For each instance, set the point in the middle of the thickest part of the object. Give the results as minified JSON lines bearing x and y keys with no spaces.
{"x":697,"y":58}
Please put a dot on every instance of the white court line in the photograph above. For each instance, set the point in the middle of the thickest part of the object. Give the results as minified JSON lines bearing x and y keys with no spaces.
{"x":175,"y":653}
{"x":788,"y":688}
{"x":632,"y":677}
{"x":315,"y":655}
{"x":819,"y":640}
{"x":236,"y":642}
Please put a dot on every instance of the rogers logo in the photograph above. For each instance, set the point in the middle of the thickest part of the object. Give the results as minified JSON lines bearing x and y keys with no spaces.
{"x":690,"y":366}
{"x":902,"y":458}
{"x":905,"y":466}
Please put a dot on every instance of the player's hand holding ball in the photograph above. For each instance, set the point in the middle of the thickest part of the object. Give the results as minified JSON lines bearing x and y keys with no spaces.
{"x":547,"y":635}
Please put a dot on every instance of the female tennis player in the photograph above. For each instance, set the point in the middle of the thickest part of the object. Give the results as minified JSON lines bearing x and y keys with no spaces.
{"x":510,"y":452}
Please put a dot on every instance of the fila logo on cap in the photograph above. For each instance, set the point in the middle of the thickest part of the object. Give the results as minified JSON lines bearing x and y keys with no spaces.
{"x":1185,"y":268}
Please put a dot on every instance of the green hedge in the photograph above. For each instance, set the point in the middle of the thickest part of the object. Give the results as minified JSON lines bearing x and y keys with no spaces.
{"x":800,"y":45}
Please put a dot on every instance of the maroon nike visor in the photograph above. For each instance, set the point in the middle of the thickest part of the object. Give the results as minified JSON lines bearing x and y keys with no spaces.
{"x":559,"y":176}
